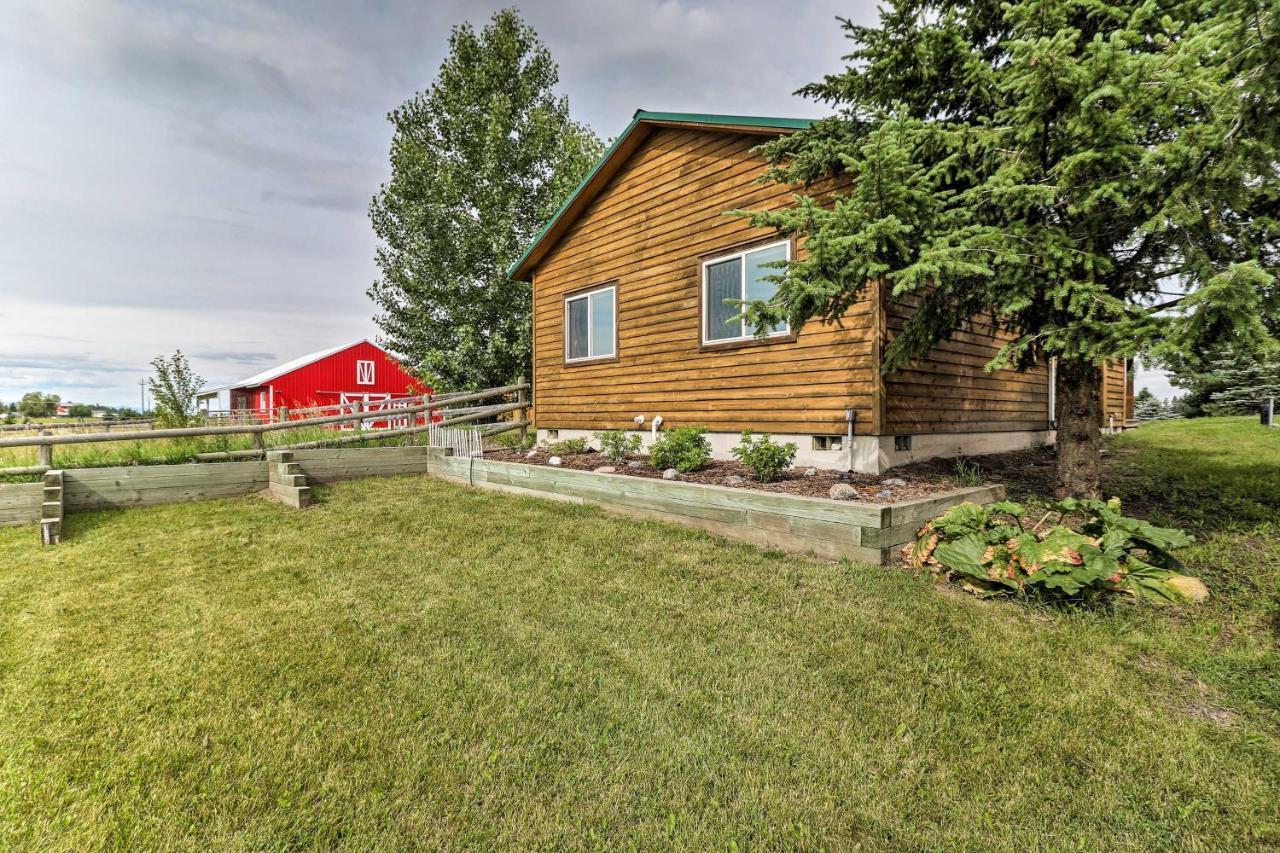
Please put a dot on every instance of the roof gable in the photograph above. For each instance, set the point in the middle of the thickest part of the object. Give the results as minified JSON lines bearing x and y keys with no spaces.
{"x":642,"y":124}
{"x":299,"y":362}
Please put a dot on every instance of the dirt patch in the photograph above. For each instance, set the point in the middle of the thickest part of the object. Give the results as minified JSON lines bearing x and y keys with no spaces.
{"x":871,"y":488}
{"x":1024,"y":472}
{"x":1198,"y":700}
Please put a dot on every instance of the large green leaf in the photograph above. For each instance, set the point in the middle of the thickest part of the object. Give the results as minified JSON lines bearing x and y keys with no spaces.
{"x":962,"y":519}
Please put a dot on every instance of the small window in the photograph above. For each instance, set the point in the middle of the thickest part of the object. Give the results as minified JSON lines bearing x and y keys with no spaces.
{"x":590,"y":325}
{"x":364,"y":372}
{"x":902,"y":442}
{"x":828,"y":442}
{"x":739,"y":277}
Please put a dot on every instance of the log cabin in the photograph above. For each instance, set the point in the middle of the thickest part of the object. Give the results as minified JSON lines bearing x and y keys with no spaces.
{"x":632,"y":331}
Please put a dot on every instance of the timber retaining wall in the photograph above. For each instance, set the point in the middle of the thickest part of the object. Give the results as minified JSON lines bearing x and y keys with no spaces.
{"x":870,"y":533}
{"x":864,"y":532}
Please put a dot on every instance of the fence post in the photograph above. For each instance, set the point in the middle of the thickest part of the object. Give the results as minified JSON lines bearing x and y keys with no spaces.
{"x":284,"y":414}
{"x":522,"y":396}
{"x":257,"y":440}
{"x":45,"y":452}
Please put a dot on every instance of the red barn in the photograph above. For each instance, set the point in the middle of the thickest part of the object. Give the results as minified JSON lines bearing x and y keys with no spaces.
{"x":356,"y":372}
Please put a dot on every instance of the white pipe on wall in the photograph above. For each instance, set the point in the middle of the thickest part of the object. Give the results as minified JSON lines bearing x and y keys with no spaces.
{"x":1053,"y":390}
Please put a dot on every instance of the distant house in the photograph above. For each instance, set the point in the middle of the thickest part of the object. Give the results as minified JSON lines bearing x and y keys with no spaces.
{"x":633,"y":286}
{"x":64,"y":409}
{"x":360,"y":371}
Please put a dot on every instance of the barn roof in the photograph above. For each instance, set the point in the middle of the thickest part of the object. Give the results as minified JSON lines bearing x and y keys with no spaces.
{"x":290,"y":366}
{"x":642,"y":124}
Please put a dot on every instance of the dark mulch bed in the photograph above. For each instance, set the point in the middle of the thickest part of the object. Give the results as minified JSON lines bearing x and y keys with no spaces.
{"x":1024,"y":473}
{"x":918,"y":483}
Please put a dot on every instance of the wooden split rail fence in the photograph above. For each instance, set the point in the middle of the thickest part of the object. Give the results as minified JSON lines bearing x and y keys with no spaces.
{"x":104,"y":425}
{"x":432,"y":405}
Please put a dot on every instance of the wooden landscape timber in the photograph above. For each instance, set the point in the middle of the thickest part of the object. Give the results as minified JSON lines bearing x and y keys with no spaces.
{"x":84,"y":489}
{"x":52,"y":508}
{"x":20,"y":503}
{"x":286,"y":480}
{"x":863,"y":532}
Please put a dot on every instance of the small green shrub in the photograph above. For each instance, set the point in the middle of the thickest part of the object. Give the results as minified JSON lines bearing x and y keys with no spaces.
{"x":684,"y":448}
{"x":511,"y":440}
{"x":569,"y":447}
{"x":993,"y":552}
{"x":618,"y":445}
{"x":967,"y":473}
{"x":766,"y":459}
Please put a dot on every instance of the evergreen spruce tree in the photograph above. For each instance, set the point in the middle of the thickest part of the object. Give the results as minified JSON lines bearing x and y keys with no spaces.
{"x":1245,"y":384}
{"x":478,"y":164}
{"x":1147,"y":406}
{"x":1231,"y":383}
{"x":1099,"y":179}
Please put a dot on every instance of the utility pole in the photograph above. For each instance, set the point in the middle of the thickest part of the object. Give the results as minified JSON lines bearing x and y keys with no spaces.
{"x":142,"y":392}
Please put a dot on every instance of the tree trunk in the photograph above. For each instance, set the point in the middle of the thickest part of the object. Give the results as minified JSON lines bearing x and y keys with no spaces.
{"x":1079,"y":414}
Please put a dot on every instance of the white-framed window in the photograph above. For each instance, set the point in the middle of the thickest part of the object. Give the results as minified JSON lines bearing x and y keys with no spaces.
{"x":739,"y":276}
{"x":364,"y":373}
{"x":591,"y":324}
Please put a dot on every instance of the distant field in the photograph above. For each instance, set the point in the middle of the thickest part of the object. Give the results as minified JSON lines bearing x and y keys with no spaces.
{"x":414,"y":664}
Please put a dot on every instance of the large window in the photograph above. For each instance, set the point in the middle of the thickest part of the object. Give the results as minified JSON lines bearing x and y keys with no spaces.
{"x":741,"y":276}
{"x":590,"y":324}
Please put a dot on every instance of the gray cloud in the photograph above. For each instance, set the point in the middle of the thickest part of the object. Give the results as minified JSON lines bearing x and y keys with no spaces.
{"x":60,"y":362}
{"x":356,"y":199}
{"x":236,"y":356}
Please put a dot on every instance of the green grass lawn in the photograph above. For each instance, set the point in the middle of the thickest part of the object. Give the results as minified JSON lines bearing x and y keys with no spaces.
{"x":414,"y":664}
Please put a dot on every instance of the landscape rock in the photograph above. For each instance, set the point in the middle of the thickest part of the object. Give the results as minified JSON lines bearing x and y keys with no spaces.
{"x":635,"y":463}
{"x":843,"y":492}
{"x":894,"y":481}
{"x":606,"y":469}
{"x":532,"y":453}
{"x":1192,"y":588}
{"x":670,"y":474}
{"x":734,"y":480}
{"x":811,"y":472}
{"x":884,"y":493}
{"x":554,"y":460}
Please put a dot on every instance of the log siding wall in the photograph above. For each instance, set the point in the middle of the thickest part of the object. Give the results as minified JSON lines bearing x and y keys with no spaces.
{"x":1116,"y":391}
{"x":951,"y":391}
{"x":647,"y":230}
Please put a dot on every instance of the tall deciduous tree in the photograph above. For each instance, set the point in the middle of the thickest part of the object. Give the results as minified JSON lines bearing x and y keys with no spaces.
{"x":37,"y":405}
{"x":478,"y":164}
{"x":173,"y":390}
{"x":1099,"y":178}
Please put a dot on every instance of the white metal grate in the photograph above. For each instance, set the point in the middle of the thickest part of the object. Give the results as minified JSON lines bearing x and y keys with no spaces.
{"x":462,"y":441}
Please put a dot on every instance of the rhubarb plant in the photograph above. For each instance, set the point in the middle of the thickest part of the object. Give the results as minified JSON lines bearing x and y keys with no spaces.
{"x":996,"y":549}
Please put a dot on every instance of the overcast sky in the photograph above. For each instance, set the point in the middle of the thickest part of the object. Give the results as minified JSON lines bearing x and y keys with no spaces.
{"x":196,"y":175}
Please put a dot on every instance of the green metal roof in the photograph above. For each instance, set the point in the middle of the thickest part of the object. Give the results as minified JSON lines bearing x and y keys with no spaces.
{"x":647,"y":117}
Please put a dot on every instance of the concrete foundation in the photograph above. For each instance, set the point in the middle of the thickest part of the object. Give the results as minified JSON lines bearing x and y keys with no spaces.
{"x":871,"y":454}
